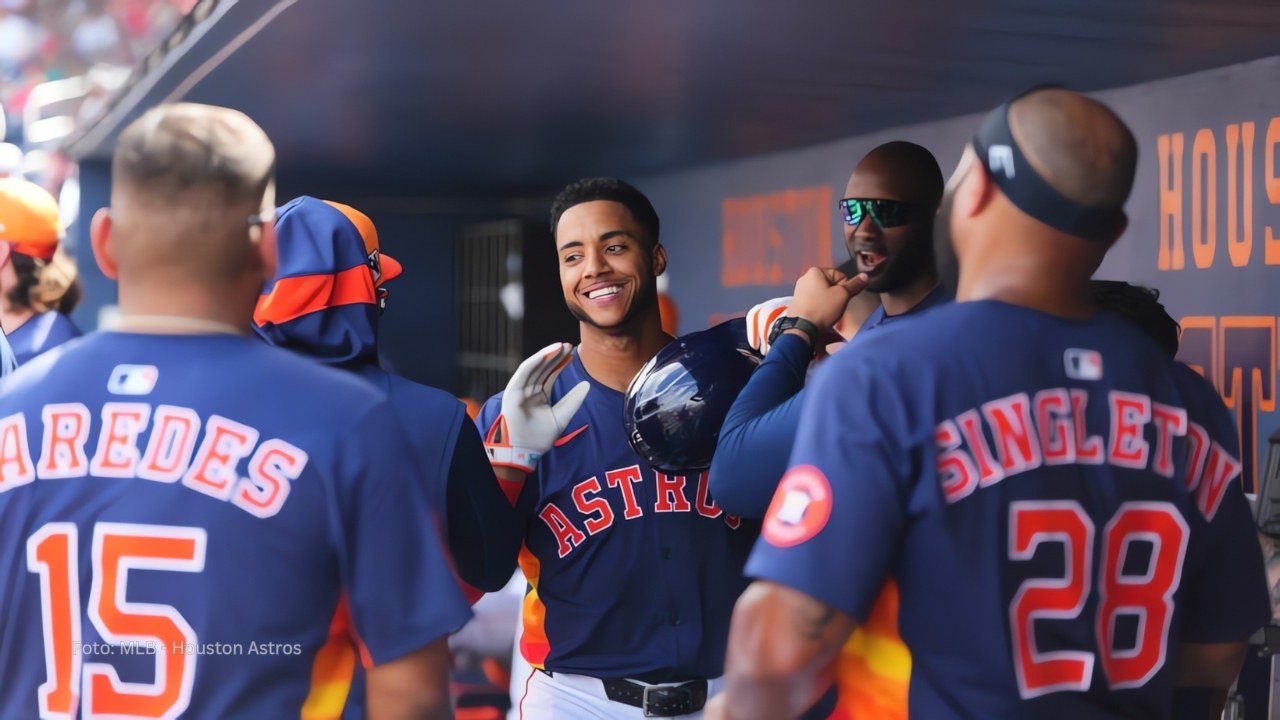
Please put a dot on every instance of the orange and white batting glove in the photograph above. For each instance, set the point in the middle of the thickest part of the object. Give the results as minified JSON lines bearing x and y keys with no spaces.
{"x":760,"y":320}
{"x":529,"y":424}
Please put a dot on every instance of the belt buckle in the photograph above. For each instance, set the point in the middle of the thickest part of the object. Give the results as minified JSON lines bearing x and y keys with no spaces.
{"x":668,"y":695}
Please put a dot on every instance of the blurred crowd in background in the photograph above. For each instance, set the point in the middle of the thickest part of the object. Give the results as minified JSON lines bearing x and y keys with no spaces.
{"x":93,"y":44}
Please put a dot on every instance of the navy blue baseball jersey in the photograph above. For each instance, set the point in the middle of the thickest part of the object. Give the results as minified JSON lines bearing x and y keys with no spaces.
{"x":41,"y":333}
{"x":1057,"y":500}
{"x":939,"y":295}
{"x":184,"y":518}
{"x":632,"y":572}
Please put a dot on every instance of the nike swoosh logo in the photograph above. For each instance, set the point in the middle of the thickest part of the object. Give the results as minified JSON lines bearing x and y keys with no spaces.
{"x":566,"y":438}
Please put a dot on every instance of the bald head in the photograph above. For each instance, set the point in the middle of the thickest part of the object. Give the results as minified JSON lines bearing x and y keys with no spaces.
{"x":1033,"y":236}
{"x":185,"y":179}
{"x":1078,"y":145}
{"x":898,"y":170}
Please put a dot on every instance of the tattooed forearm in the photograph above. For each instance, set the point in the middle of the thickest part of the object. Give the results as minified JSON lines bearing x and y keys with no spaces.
{"x":812,"y":620}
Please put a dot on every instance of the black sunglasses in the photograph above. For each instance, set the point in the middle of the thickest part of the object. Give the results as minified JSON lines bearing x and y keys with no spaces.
{"x":885,"y":213}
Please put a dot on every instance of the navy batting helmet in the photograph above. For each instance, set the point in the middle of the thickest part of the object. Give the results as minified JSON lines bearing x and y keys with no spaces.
{"x":676,"y":404}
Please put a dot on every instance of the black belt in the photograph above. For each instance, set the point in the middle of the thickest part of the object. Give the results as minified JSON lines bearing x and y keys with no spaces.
{"x":659,"y":701}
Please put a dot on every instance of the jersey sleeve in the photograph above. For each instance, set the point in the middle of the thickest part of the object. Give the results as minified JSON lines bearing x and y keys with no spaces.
{"x":484,"y":530}
{"x":401,"y":589}
{"x":1227,"y":599}
{"x":843,"y":494}
{"x":760,"y":430}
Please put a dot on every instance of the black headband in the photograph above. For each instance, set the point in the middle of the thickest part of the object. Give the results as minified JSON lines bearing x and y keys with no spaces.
{"x":1019,"y":181}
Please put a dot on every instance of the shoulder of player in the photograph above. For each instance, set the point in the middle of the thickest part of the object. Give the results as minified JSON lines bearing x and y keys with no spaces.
{"x":938,"y":326}
{"x":1200,"y":396}
{"x":1189,"y":378}
{"x":63,"y":325}
{"x":420,"y":392}
{"x":419,"y":400}
{"x":30,"y":375}
{"x":893,"y":357}
{"x":326,"y":388}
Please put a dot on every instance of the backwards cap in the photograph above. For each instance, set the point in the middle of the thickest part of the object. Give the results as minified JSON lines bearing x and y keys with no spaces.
{"x":29,"y":218}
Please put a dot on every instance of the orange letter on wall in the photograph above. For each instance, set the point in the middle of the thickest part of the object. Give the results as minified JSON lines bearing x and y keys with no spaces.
{"x":1204,"y":198}
{"x":1169,"y":149}
{"x":772,"y":239}
{"x":735,"y":252}
{"x":1272,"y":243}
{"x":1240,"y":242}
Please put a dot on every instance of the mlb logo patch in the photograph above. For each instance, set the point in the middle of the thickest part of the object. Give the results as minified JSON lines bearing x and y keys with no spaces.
{"x":1083,"y":364}
{"x":133,"y":379}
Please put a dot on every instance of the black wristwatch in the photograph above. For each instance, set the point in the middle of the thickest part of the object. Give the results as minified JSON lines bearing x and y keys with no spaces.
{"x":798,"y":323}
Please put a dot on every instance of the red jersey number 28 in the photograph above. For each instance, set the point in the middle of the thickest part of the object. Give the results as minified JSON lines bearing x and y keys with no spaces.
{"x":153,"y":629}
{"x":1146,"y":593}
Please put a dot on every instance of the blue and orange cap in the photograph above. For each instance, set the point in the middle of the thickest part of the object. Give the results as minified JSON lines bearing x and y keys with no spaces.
{"x":328,"y":290}
{"x":328,"y":256}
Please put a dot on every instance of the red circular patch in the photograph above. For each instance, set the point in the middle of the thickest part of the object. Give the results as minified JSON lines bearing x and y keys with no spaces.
{"x":800,"y":508}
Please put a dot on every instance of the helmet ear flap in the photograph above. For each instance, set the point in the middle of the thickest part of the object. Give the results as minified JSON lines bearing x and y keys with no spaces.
{"x":675,"y":406}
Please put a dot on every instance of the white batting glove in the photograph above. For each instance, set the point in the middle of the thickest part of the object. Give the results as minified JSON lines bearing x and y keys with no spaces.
{"x":760,"y":320}
{"x":529,"y":424}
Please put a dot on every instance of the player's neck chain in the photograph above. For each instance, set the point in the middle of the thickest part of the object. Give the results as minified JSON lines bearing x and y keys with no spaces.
{"x":172,"y":324}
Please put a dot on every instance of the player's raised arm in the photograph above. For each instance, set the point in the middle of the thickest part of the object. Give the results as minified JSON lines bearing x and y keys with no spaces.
{"x":484,"y":528}
{"x":517,"y":428}
{"x":759,"y":431}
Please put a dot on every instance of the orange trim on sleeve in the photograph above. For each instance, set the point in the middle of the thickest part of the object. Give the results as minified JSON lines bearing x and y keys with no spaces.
{"x":332,"y":670}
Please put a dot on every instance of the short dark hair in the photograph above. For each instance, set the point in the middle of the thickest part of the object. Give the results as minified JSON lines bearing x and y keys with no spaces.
{"x":613,"y":189}
{"x":1141,"y":306}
